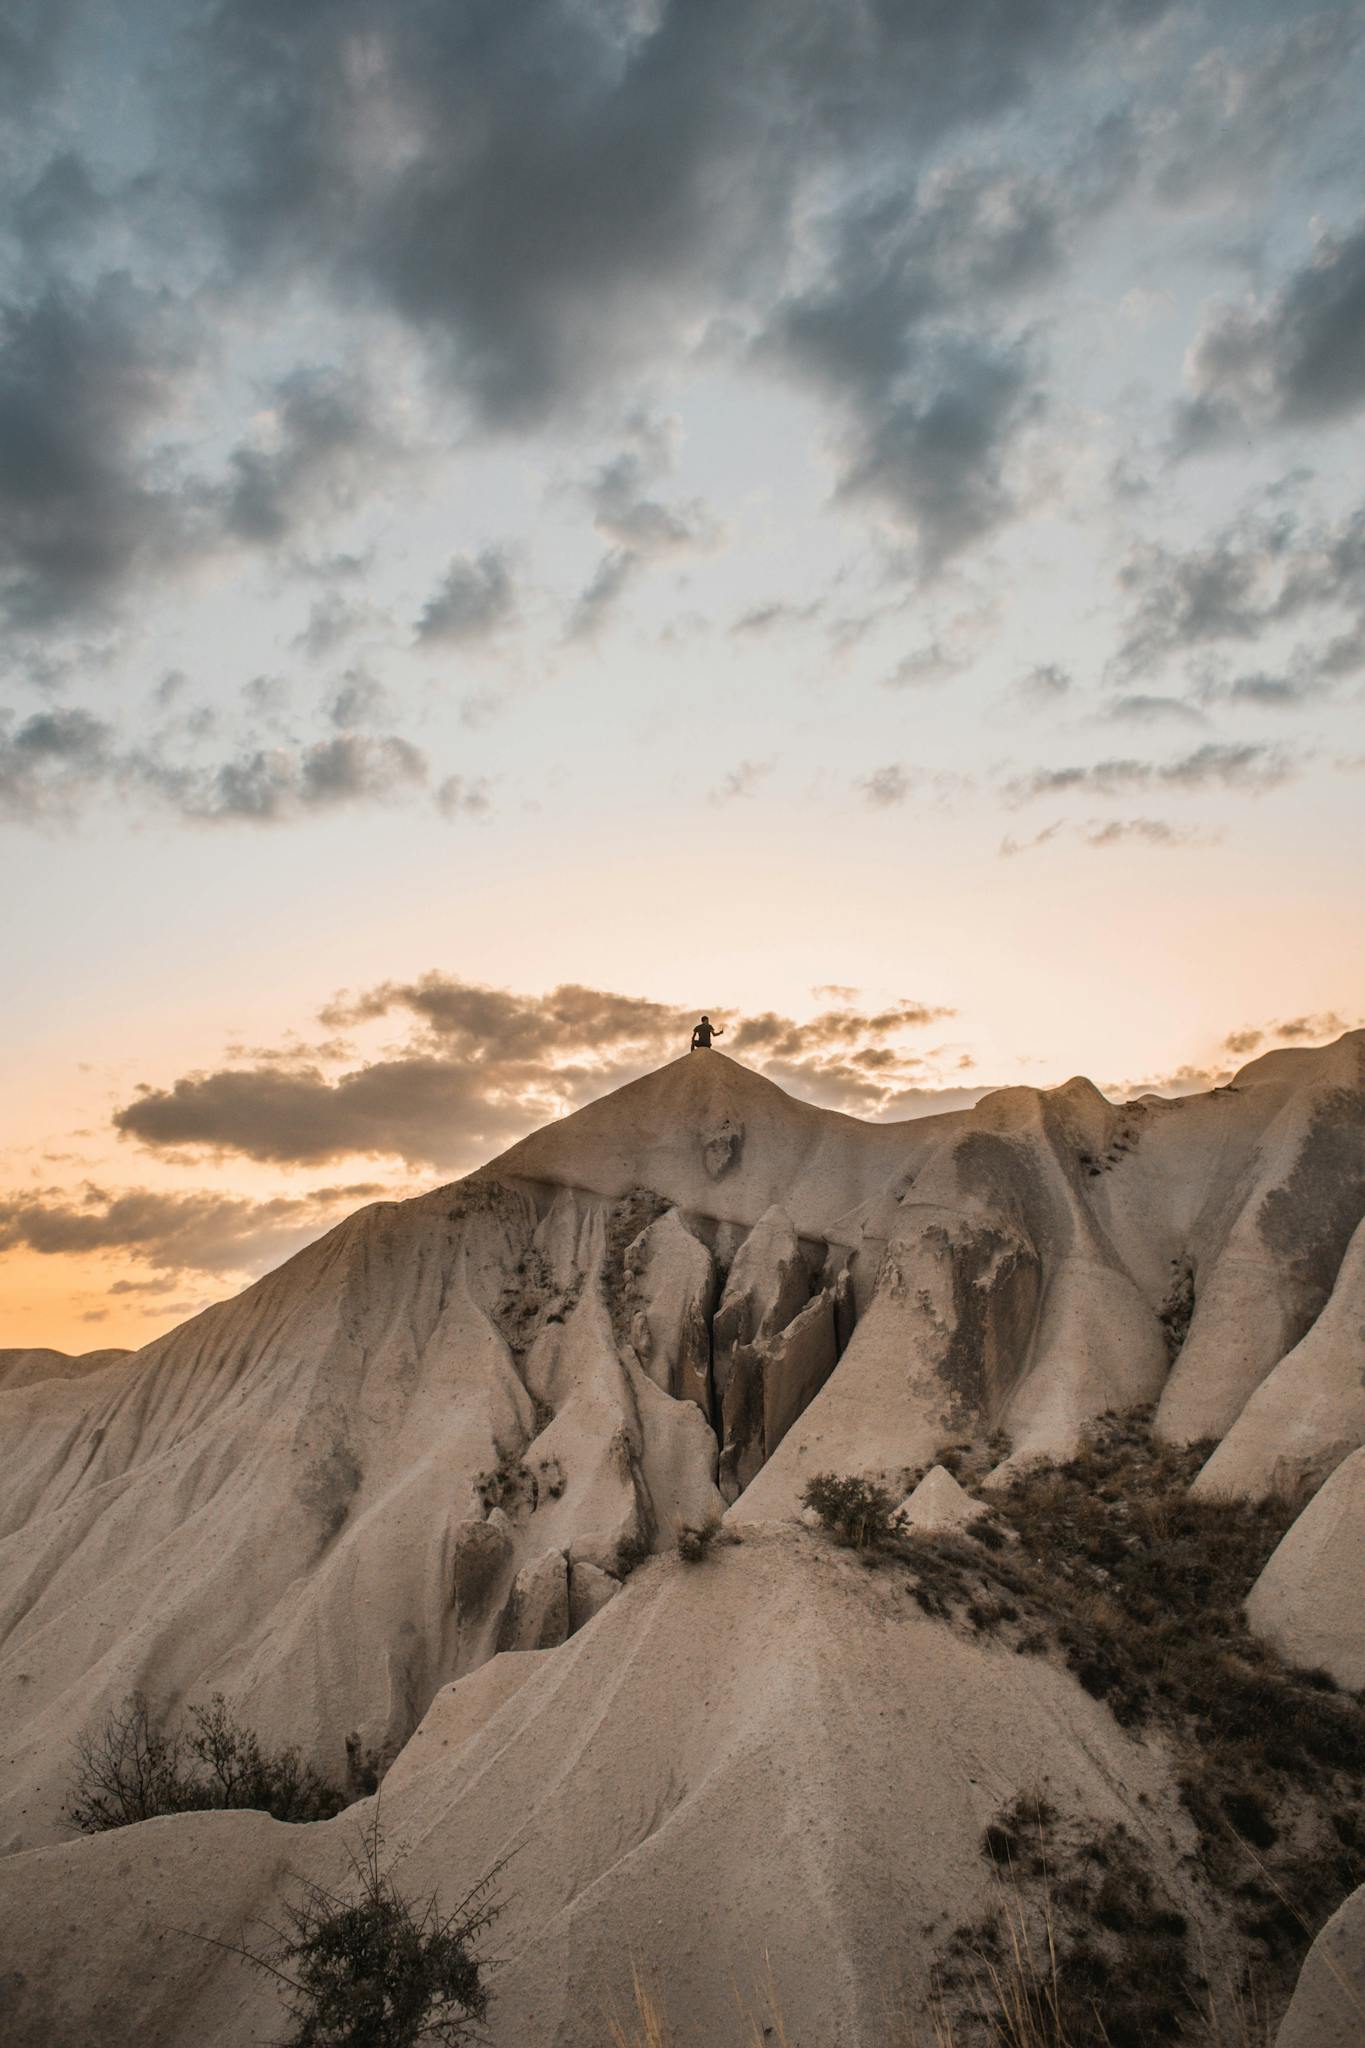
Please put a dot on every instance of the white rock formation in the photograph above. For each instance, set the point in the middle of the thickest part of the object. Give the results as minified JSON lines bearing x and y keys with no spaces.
{"x":938,"y":1506}
{"x":455,"y":1424}
{"x":1309,"y":1413}
{"x":1310,"y":1599}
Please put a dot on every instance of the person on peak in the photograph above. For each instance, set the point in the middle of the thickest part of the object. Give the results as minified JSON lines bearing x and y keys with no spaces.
{"x":704,"y":1033}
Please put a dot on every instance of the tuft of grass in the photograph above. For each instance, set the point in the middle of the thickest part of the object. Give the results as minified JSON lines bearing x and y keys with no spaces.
{"x":647,"y":2026}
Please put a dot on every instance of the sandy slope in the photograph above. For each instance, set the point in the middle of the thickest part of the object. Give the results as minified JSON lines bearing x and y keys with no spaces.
{"x":442,"y":1433}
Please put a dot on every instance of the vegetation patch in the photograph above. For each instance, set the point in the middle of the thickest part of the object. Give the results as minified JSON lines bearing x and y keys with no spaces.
{"x":1106,"y":1562}
{"x":858,"y":1513}
{"x":694,"y":1539}
{"x":134,"y":1767}
{"x":370,"y":1968}
{"x":1085,"y":1948}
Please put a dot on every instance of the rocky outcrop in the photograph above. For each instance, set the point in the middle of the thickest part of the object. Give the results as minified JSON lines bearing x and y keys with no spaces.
{"x":938,"y":1506}
{"x":1310,"y":1599}
{"x":1309,"y":1413}
{"x":537,"y":1613}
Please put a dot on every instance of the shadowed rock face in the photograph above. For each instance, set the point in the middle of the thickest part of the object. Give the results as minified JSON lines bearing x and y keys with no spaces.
{"x":451,"y":1426}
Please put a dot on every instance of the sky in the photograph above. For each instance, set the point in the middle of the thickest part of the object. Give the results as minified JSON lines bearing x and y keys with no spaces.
{"x":524,"y":520}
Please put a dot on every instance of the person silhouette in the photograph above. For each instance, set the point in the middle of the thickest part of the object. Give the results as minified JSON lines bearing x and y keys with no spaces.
{"x":704,"y":1033}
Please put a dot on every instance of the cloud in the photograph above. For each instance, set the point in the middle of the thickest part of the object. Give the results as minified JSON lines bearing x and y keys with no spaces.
{"x":358,"y":700}
{"x":484,"y":1066}
{"x":56,"y":763}
{"x":1264,"y":570}
{"x":1240,"y":1042}
{"x":1101,"y":833}
{"x":1047,"y":683}
{"x":418,"y":1109}
{"x":1216,"y":765}
{"x":475,"y":597}
{"x":885,"y":787}
{"x":1150,"y":831}
{"x":546,"y":193}
{"x":174,"y":1233}
{"x":933,"y":663}
{"x":1138,"y":708}
{"x":740,"y":781}
{"x":640,"y":528}
{"x":1237,"y":117}
{"x":764,"y":618}
{"x":599,"y":597}
{"x":1293,"y":360}
{"x":316,"y":447}
{"x":332,"y":619}
{"x":1324,"y":1024}
{"x":85,"y":374}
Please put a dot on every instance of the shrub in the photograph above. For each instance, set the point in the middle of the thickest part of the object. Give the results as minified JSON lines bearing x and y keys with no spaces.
{"x":369,"y":1968}
{"x":133,"y":1768}
{"x":694,"y":1539}
{"x":857,"y":1511}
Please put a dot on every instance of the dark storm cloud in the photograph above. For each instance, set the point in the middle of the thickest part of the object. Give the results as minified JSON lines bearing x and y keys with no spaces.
{"x":83,"y":371}
{"x":484,"y":1066}
{"x":571,"y":177}
{"x":936,"y":461}
{"x":932,"y":404}
{"x":549,"y":195}
{"x":203,"y":1233}
{"x":1215,"y":765}
{"x":1294,"y":360}
{"x":475,"y":597}
{"x":95,"y":496}
{"x":61,"y":206}
{"x":32,"y":33}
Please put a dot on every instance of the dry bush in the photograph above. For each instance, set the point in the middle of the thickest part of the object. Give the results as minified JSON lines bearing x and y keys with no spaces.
{"x":857,"y":1511}
{"x":369,"y":1968}
{"x":693,"y":1540}
{"x":133,"y":1767}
